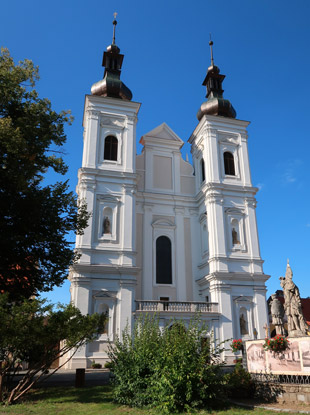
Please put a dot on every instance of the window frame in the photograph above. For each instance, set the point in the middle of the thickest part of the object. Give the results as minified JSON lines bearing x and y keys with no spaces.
{"x":164,"y":227}
{"x":110,"y":136}
{"x":230,"y":144}
{"x":106,"y":131}
{"x":156,"y":262}
{"x":202,"y":171}
{"x":230,"y":163}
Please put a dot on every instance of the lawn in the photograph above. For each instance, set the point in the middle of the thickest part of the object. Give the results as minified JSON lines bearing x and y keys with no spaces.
{"x":93,"y":401}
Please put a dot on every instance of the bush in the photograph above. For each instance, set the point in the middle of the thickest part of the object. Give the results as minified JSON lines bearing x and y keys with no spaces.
{"x":239,"y":383}
{"x":173,"y":369}
{"x":95,"y":365}
{"x":108,"y":365}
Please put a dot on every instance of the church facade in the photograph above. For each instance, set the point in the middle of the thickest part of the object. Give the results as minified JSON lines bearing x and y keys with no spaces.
{"x":166,"y":236}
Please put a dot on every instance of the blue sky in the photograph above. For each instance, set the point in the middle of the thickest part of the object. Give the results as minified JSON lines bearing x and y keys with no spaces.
{"x":261,"y":46}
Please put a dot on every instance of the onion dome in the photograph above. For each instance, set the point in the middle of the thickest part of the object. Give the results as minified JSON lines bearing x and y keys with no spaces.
{"x":215,"y":104}
{"x":111,"y":85}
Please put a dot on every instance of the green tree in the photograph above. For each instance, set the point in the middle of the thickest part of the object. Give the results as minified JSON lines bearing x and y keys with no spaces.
{"x":35,"y":220}
{"x":33,"y":333}
{"x":174,"y":369}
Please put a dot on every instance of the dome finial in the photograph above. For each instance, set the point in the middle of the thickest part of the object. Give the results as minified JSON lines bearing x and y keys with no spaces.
{"x":111,"y":84}
{"x":211,"y":49}
{"x":215,"y":104}
{"x":114,"y":24}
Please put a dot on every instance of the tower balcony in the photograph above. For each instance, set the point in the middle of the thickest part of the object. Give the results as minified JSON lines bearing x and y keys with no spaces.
{"x":175,"y":307}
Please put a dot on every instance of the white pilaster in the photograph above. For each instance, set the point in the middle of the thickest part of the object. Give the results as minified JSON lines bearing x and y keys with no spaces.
{"x":180,"y":255}
{"x":148,"y":243}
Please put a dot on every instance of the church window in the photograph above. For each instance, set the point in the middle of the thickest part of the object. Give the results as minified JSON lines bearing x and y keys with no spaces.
{"x":229,"y":163}
{"x":202,"y":166}
{"x":163,"y":260}
{"x":110,"y":148}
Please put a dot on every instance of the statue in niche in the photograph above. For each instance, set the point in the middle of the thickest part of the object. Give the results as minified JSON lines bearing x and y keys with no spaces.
{"x":106,"y":225}
{"x":296,"y":322}
{"x":243,"y":325}
{"x":277,"y":314}
{"x":235,"y":239}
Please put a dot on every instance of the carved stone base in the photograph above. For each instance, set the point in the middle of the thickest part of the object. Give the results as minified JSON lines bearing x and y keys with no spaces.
{"x":296,"y":333}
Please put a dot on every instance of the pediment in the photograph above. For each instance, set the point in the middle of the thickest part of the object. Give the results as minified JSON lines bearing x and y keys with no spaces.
{"x":243,"y":299}
{"x":163,"y":223}
{"x":162,"y":133}
{"x":104,"y":294}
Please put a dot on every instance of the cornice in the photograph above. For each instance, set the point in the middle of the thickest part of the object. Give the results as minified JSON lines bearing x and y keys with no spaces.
{"x":104,"y":269}
{"x":220,"y":124}
{"x":95,"y":173}
{"x":235,"y":277}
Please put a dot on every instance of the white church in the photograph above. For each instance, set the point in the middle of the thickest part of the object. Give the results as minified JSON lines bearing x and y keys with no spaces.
{"x":166,"y":236}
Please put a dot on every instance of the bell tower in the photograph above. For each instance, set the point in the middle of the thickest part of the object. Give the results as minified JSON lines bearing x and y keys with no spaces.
{"x":232,"y":274}
{"x":104,"y":278}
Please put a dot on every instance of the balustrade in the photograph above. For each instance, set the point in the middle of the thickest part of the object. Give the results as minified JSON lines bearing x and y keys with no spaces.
{"x":176,"y":306}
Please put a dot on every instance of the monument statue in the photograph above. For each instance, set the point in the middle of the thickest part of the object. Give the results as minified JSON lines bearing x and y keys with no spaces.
{"x":106,"y":225}
{"x":296,"y":322}
{"x":277,"y":314}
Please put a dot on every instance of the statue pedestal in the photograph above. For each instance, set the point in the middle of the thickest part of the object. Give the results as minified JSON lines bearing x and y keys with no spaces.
{"x":293,"y":361}
{"x":295,"y":333}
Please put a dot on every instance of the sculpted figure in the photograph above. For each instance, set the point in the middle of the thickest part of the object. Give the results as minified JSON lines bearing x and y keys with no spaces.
{"x":235,"y":240}
{"x":106,"y":225}
{"x":243,"y":328}
{"x":296,"y":322}
{"x":277,"y":314}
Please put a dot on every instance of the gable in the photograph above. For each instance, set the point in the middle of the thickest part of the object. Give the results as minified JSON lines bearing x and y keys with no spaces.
{"x":162,"y":135}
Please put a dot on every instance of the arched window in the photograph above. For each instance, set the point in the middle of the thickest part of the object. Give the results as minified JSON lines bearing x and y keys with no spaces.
{"x":163,"y":261}
{"x":202,"y":167}
{"x":110,"y":148}
{"x":229,"y":163}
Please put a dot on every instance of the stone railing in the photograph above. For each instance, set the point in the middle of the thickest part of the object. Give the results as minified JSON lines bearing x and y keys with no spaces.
{"x":176,"y":306}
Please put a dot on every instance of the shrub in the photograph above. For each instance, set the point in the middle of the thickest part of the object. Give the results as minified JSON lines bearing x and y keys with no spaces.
{"x":95,"y":365}
{"x":173,"y":369}
{"x":239,"y":383}
{"x":108,"y":365}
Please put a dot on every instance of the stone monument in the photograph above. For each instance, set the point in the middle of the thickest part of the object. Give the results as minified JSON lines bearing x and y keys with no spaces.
{"x":296,"y":322}
{"x":277,"y":314}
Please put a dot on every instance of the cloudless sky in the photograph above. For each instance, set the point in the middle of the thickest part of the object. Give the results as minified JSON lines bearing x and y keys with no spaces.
{"x":262,"y":46}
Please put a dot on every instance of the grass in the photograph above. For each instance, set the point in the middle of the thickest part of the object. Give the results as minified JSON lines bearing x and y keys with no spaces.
{"x":94,"y":401}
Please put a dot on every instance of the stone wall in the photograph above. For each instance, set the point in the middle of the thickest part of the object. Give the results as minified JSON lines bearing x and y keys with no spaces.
{"x":283,"y":393}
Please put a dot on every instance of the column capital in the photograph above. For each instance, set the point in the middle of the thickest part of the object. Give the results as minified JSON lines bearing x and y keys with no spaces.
{"x":179,"y":211}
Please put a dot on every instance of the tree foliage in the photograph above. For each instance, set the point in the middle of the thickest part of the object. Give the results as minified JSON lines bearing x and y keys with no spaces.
{"x":175,"y":368}
{"x":34,"y":219}
{"x":32,"y":333}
